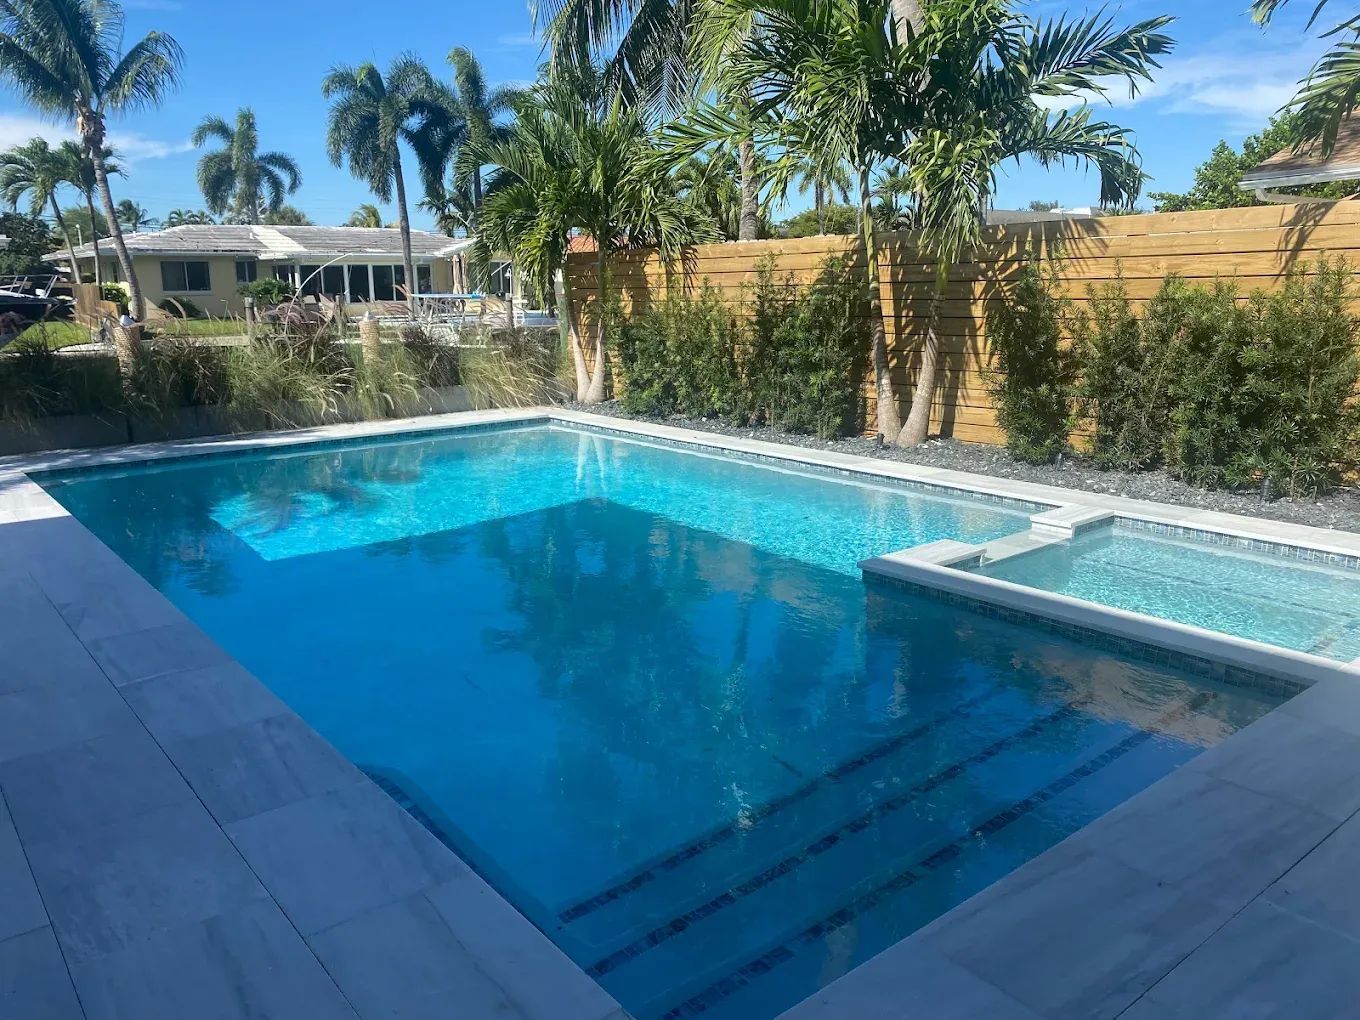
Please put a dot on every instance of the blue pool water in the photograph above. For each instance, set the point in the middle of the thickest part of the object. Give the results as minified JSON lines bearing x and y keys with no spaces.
{"x":1267,"y":597}
{"x":648,"y":695}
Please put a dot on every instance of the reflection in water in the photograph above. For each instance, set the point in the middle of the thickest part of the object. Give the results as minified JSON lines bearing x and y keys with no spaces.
{"x":588,"y":696}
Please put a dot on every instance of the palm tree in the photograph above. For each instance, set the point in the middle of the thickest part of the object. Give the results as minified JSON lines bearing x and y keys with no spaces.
{"x":657,"y":61}
{"x":36,"y":171}
{"x":80,"y":171}
{"x":287,"y":216}
{"x":712,"y":183}
{"x":478,"y":110}
{"x":826,"y":186}
{"x":238,"y":178}
{"x":453,"y":208}
{"x":188,"y":218}
{"x":367,"y":215}
{"x":1331,"y":92}
{"x":133,"y":216}
{"x":948,"y":90}
{"x":372,"y":115}
{"x":62,"y":56}
{"x":576,"y":159}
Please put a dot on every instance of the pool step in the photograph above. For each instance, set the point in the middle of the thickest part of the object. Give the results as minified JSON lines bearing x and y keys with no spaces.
{"x":717,"y":858}
{"x":816,"y":949}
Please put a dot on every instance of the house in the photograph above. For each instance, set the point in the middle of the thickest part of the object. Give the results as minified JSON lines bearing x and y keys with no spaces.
{"x":1274,"y":179}
{"x":206,"y":264}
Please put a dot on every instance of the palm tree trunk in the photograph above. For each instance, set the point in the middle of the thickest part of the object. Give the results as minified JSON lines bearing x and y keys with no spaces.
{"x":101,"y":176}
{"x":819,"y":200}
{"x":66,"y":235}
{"x":889,"y":422}
{"x":476,"y":201}
{"x":595,"y":393}
{"x":917,"y":428}
{"x":748,"y":227}
{"x":573,"y":338}
{"x":94,"y":240}
{"x":907,"y":14}
{"x":405,"y":221}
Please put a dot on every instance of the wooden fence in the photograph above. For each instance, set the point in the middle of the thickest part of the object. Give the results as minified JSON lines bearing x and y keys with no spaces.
{"x":1255,"y":246}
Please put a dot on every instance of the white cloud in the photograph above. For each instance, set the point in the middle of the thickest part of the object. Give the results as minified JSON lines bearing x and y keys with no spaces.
{"x":15,"y":129}
{"x":519,"y":39}
{"x":1236,"y":79}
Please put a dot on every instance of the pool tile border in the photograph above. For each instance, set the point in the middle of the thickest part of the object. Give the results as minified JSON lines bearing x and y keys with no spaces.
{"x":1331,"y":704}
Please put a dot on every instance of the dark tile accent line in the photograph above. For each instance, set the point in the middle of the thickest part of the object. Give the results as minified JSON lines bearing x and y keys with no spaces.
{"x":722,"y":833}
{"x":790,"y":461}
{"x":917,"y":872}
{"x":676,"y":925}
{"x":1284,"y":550}
{"x":1280,"y":687}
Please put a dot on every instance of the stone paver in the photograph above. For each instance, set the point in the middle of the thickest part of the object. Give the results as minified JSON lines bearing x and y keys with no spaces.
{"x":21,"y":908}
{"x":34,"y":983}
{"x":329,"y":858}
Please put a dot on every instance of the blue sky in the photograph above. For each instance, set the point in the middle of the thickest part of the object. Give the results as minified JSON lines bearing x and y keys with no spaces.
{"x":1224,"y":79}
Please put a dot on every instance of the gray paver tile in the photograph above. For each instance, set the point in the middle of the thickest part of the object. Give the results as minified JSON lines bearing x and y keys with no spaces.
{"x":1333,"y":702}
{"x":21,"y":908}
{"x":34,"y":983}
{"x":80,"y":591}
{"x":1325,"y":886}
{"x":1210,"y":838}
{"x":138,"y":877}
{"x":143,"y":654}
{"x":1264,"y":964}
{"x":249,"y":964}
{"x":1037,"y":936}
{"x":906,"y":982}
{"x":401,"y":961}
{"x":538,"y":977}
{"x":39,"y":647}
{"x":180,"y":706}
{"x":64,"y":792}
{"x":1291,"y":759}
{"x":38,"y":719}
{"x":328,"y":858}
{"x":260,"y":766}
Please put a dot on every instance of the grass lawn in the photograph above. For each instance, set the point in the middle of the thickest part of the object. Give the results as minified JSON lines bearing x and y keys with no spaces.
{"x":57,"y":333}
{"x":198,"y":327}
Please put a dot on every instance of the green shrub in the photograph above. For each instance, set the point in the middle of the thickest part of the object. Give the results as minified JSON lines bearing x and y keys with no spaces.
{"x":176,"y":372}
{"x":1303,"y":424}
{"x":266,"y":292}
{"x":434,"y":362}
{"x":792,"y":357}
{"x":1209,"y":338}
{"x":36,"y":382}
{"x":1032,"y":375}
{"x":1123,"y":381}
{"x":115,"y":293}
{"x":180,"y":308}
{"x":681,"y":357}
{"x":810,"y":375}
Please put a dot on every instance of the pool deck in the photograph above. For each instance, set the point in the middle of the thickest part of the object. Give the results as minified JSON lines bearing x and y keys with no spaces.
{"x":175,"y":842}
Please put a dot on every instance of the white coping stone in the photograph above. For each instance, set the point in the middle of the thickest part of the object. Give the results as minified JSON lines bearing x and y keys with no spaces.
{"x":1070,"y":520}
{"x":1333,"y":682}
{"x":945,"y":552}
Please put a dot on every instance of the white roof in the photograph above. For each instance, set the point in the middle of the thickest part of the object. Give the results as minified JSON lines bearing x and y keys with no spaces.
{"x":282,"y":243}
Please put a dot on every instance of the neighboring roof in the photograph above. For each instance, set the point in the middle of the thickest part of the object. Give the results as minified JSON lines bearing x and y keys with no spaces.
{"x":281,"y":242}
{"x":1289,"y":169}
{"x":4,"y":242}
{"x":997,"y":217}
{"x":580,"y":243}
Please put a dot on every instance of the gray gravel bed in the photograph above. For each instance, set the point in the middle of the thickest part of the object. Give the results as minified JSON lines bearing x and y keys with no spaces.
{"x":1339,"y":509}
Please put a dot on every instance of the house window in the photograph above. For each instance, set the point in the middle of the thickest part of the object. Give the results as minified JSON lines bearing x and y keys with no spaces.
{"x":382,"y":284}
{"x":500,"y":279}
{"x":185,"y":277}
{"x":423,"y":280}
{"x":359,"y":289}
{"x":284,"y":273}
{"x":246,"y":270}
{"x":310,"y":282}
{"x":333,"y":281}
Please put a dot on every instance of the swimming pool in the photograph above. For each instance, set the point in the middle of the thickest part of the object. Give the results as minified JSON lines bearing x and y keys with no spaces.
{"x":647,"y":693}
{"x":1307,"y":606}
